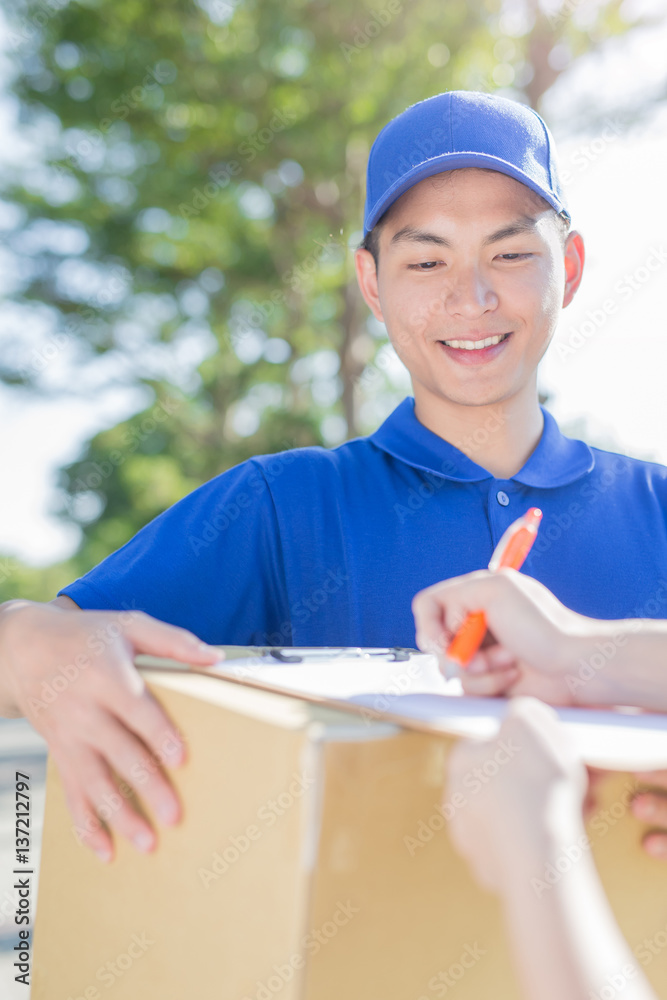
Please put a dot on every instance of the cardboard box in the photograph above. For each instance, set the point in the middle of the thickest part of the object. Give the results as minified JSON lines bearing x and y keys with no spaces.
{"x":313,"y":863}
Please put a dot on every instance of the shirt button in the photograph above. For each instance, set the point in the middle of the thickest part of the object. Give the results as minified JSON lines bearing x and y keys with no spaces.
{"x":502,"y":498}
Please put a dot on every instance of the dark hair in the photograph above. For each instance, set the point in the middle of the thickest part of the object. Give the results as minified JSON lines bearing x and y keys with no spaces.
{"x":371,"y":241}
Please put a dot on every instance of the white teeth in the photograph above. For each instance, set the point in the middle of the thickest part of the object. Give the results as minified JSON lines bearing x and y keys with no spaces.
{"x":469,"y":345}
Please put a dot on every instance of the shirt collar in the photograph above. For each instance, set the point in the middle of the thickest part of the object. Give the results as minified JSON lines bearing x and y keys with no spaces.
{"x":556,"y":461}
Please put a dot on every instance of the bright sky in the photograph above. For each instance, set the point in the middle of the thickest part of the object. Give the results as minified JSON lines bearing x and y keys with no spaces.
{"x":606,"y":370}
{"x":608,"y":361}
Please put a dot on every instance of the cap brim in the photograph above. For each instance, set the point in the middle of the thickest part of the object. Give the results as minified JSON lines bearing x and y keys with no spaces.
{"x":453,"y":161}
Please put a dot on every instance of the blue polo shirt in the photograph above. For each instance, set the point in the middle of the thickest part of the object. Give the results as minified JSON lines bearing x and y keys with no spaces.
{"x":316,"y":546}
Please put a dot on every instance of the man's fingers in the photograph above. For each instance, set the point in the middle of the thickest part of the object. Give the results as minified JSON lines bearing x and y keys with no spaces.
{"x":132,"y":761}
{"x":150,"y":722}
{"x":100,"y":719}
{"x":490,"y":684}
{"x":596,"y":777}
{"x":87,"y":828}
{"x":130,"y":701}
{"x":655,"y":844}
{"x":656,"y":778}
{"x":94,"y":792}
{"x":651,"y":808}
{"x":107,"y":746}
{"x":148,"y":635}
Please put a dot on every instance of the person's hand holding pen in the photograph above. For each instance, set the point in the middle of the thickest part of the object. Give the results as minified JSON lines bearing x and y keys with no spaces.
{"x":510,"y":553}
{"x":532,"y":640}
{"x":536,"y":646}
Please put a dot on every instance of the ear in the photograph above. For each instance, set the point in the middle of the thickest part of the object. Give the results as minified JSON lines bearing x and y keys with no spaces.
{"x":364,"y":263}
{"x":574,"y":265}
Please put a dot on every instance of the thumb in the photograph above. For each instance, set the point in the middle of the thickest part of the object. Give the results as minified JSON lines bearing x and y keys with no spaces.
{"x":149,"y":635}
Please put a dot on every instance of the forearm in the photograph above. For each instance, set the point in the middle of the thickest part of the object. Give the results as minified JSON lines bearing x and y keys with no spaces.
{"x":563,"y":935}
{"x":9,"y":707}
{"x":621,"y":663}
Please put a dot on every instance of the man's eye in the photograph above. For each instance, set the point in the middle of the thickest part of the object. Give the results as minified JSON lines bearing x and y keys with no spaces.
{"x":426,"y":265}
{"x":514,"y":256}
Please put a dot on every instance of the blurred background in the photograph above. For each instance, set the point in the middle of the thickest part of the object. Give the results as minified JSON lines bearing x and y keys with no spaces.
{"x":182,"y":190}
{"x":181,"y":194}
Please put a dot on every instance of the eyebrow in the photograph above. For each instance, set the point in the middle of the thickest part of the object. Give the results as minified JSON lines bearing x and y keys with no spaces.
{"x":408,"y":234}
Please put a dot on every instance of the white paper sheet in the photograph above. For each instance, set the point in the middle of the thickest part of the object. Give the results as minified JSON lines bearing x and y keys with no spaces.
{"x":416,"y":690}
{"x":613,"y":739}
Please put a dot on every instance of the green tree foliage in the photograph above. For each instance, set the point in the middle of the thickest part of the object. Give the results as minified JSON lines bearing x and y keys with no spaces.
{"x":28,"y":583}
{"x":201,"y":192}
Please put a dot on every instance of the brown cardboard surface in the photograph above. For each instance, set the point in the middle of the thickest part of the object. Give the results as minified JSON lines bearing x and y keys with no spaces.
{"x":635,"y":883}
{"x":205,"y":942}
{"x":352,"y":891}
{"x":419,"y":912}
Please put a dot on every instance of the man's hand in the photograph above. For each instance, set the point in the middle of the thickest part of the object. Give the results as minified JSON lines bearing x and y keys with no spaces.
{"x":651,"y":807}
{"x":71,"y":674}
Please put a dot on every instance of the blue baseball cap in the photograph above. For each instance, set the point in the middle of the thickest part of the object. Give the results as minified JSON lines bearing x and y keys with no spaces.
{"x":461,"y":128}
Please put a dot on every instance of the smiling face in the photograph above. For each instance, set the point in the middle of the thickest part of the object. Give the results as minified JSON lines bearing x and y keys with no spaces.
{"x":472,"y":276}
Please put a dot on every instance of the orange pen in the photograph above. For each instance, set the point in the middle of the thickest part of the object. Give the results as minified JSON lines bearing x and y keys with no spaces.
{"x":509,"y":553}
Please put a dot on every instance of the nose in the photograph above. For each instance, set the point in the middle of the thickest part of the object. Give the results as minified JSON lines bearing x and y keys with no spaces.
{"x":468,"y":293}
